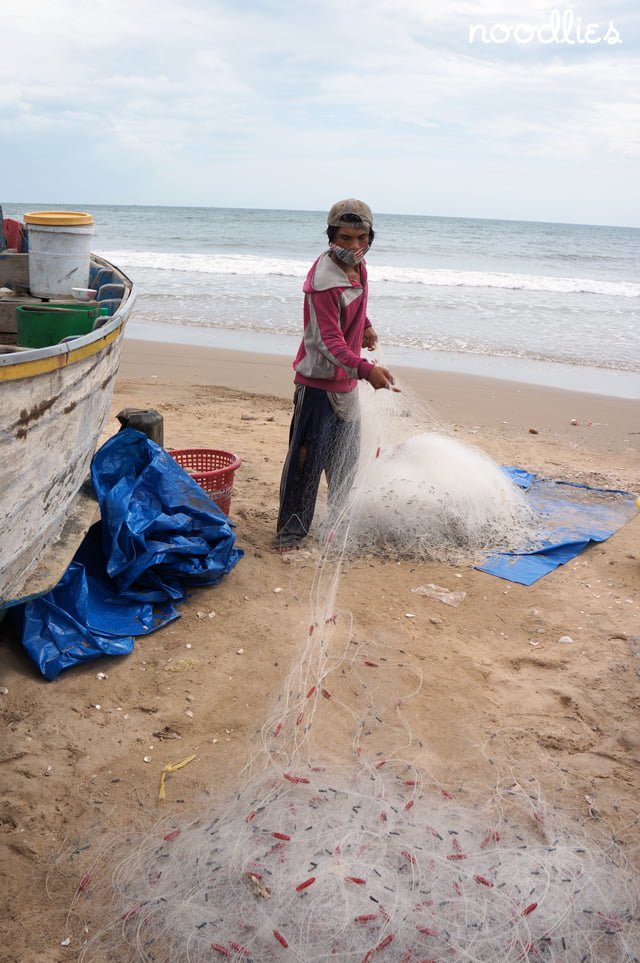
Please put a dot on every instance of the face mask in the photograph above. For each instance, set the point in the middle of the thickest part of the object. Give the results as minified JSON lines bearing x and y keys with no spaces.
{"x":352,"y":258}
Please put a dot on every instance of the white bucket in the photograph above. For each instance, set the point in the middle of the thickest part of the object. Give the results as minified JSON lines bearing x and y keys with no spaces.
{"x":58,"y":257}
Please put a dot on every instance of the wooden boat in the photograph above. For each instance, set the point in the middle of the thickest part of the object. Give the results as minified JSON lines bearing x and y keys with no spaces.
{"x":53,"y":406}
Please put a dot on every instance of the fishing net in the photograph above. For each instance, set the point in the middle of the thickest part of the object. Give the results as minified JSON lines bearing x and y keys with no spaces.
{"x":336,"y":844}
{"x":352,"y":864}
{"x":420,"y":493}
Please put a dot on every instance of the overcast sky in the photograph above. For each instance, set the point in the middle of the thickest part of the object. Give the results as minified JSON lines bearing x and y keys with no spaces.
{"x":273,"y":103}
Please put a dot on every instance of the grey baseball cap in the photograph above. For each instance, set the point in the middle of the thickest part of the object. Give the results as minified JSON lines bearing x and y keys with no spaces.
{"x":350,"y":206}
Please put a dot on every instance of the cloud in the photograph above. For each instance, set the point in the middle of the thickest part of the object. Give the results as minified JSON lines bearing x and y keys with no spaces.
{"x":175,"y":99}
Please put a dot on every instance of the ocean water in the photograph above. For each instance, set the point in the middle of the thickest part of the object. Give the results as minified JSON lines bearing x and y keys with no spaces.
{"x":484,"y":295}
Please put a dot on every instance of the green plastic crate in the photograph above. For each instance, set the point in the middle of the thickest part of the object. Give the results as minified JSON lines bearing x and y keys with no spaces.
{"x":41,"y":325}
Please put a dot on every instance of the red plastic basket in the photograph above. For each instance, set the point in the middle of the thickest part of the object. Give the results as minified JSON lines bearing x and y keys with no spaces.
{"x":212,"y":469}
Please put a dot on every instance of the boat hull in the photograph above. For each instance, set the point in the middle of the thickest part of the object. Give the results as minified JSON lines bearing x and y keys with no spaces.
{"x":54,"y":404}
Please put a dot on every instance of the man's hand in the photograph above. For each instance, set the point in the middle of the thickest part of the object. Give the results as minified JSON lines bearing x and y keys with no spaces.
{"x":369,"y":339}
{"x":380,"y":377}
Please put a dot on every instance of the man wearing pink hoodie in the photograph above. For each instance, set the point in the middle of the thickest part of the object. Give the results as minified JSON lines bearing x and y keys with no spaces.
{"x":324,"y":434}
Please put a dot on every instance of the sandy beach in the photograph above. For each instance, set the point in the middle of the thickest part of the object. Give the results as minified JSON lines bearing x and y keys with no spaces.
{"x":493,"y":669}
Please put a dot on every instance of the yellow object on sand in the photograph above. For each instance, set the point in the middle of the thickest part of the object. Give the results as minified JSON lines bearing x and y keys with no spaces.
{"x":168,"y":769}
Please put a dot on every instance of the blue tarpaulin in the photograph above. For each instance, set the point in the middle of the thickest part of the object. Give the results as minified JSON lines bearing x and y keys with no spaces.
{"x":570,"y":516}
{"x":159,"y":535}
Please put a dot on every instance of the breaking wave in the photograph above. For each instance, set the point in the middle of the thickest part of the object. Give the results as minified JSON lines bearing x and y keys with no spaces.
{"x":257,"y":266}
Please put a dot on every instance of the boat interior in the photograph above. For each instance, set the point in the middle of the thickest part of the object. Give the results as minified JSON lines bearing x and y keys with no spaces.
{"x":20,"y":312}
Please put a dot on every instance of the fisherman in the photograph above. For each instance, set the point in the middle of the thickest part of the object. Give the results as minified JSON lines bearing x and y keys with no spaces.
{"x":325,"y":428}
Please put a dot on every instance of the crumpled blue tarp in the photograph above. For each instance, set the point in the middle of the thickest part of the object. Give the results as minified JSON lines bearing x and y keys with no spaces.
{"x":571,"y":515}
{"x":160,"y":533}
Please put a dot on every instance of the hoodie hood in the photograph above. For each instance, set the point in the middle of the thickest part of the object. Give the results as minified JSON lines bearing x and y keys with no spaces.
{"x":326,"y":274}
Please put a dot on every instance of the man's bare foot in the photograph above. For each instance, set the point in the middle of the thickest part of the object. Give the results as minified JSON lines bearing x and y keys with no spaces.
{"x":285,"y":544}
